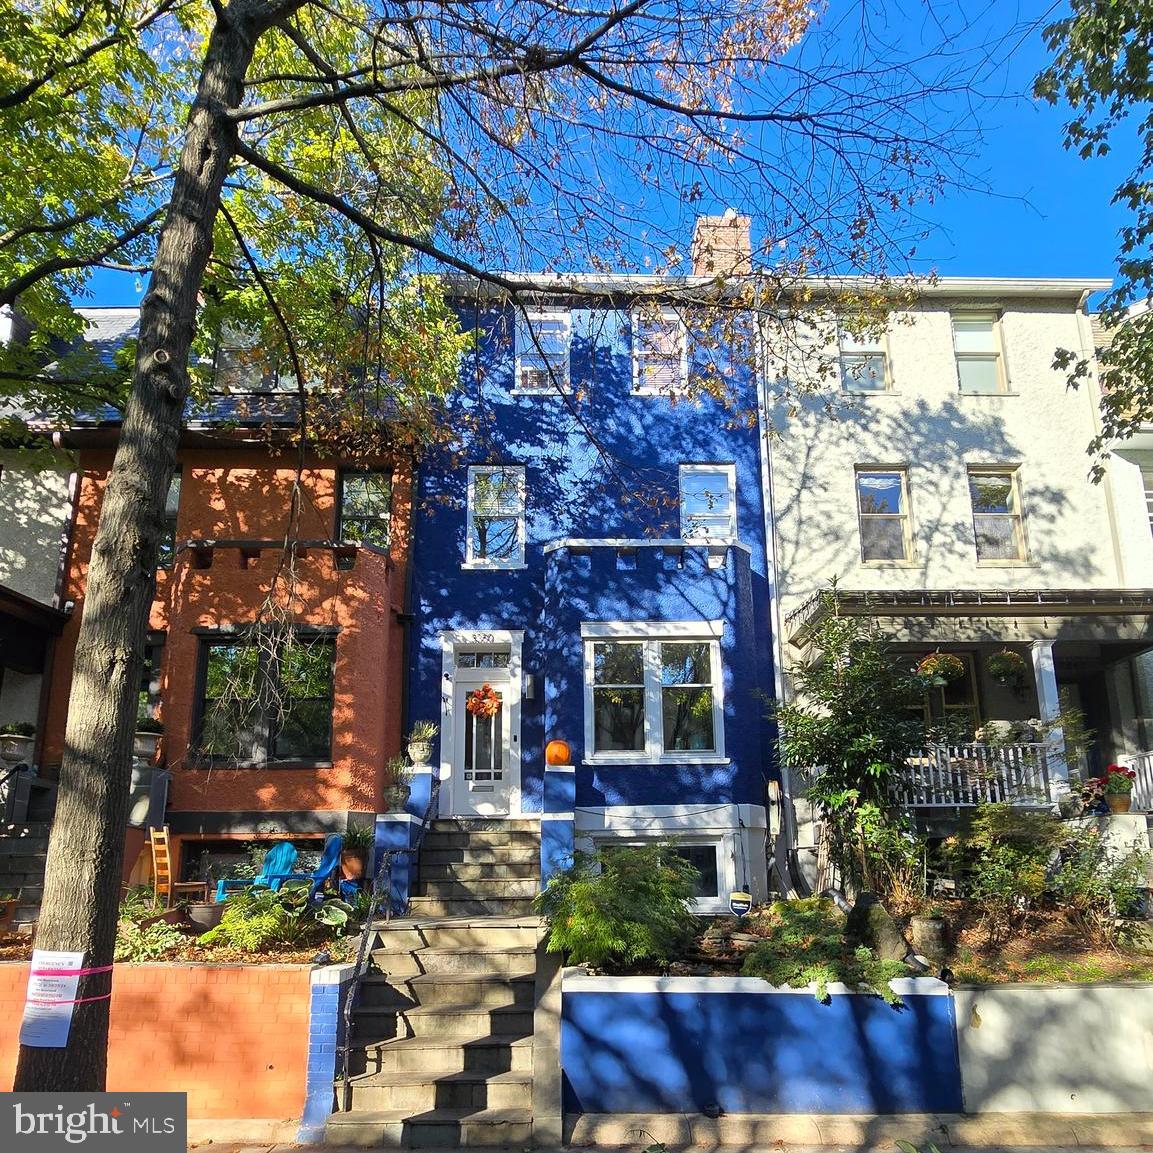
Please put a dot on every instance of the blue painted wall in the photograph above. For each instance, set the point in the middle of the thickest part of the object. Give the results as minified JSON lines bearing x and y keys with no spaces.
{"x":758,"y":1053}
{"x":600,"y":463}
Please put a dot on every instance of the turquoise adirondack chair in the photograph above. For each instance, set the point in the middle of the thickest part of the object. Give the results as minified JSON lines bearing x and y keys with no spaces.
{"x":274,"y":871}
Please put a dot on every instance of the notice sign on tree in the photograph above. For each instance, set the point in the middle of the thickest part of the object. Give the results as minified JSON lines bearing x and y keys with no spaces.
{"x":52,"y":983}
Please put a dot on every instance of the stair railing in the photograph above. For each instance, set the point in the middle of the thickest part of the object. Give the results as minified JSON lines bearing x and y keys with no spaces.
{"x":381,"y":889}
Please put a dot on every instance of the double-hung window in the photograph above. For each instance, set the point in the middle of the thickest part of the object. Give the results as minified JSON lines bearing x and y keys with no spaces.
{"x":996,"y":501}
{"x":543,"y":337}
{"x":883,"y":514}
{"x":496,"y":517}
{"x":365,"y":508}
{"x":263,"y":702}
{"x":167,"y":551}
{"x":864,"y":365}
{"x":653,"y":691}
{"x":708,"y":502}
{"x":660,"y":351}
{"x":977,"y":345}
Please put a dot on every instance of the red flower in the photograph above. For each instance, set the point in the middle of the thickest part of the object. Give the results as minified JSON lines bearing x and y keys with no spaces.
{"x":1130,"y":773}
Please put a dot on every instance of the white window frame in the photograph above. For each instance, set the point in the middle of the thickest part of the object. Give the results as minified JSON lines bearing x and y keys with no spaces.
{"x":639,"y":316}
{"x":906,"y":517}
{"x":1147,"y":488}
{"x":1013,"y":473}
{"x":650,"y":634}
{"x":850,"y":345}
{"x":729,"y":472}
{"x":997,"y":355}
{"x":527,"y":349}
{"x":516,"y":560}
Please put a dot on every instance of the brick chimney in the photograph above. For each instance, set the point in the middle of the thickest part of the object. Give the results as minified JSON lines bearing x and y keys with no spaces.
{"x":722,"y":245}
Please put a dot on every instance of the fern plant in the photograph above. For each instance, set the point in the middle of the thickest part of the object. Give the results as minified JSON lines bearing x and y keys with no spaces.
{"x":256,"y":919}
{"x":620,"y":906}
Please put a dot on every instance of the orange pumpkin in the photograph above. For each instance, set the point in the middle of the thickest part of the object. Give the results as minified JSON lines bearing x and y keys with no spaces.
{"x":557,"y":753}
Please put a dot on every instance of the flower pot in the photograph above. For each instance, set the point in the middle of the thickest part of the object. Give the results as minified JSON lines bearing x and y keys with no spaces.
{"x":1119,"y":802}
{"x":353,"y":864}
{"x":144,"y":745}
{"x":7,"y":912}
{"x":16,"y":748}
{"x":206,"y":915}
{"x":419,"y":752}
{"x":396,"y":797}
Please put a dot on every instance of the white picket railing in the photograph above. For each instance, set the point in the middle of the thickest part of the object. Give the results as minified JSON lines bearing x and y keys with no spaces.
{"x":963,"y":776}
{"x":1142,"y":763}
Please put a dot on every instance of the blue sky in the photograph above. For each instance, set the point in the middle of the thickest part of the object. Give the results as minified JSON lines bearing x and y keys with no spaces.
{"x":1042,"y":211}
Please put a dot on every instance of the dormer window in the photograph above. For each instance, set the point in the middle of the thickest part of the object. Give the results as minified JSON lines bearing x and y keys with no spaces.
{"x":660,"y":351}
{"x":543,"y":338}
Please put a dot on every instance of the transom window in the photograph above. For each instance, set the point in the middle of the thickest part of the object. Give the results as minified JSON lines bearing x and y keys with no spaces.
{"x":883,"y":513}
{"x":863,"y":361}
{"x":660,"y":351}
{"x":996,"y":514}
{"x":496,"y":517}
{"x":653,"y":698}
{"x":978,"y":350}
{"x":543,"y":338}
{"x":708,"y":502}
{"x":365,"y":509}
{"x":483,"y":659}
{"x":264,"y":702}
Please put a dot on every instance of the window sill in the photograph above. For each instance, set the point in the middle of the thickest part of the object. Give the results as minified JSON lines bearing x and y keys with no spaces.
{"x":215,"y":764}
{"x":678,"y":391}
{"x":540,"y":391}
{"x":987,"y":395}
{"x":890,"y":563}
{"x":483,"y":566}
{"x":625,"y":761}
{"x":1007,"y":564}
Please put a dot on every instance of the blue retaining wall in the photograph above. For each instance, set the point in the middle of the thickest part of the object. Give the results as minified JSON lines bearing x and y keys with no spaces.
{"x":750,"y":1049}
{"x":325,"y":1035}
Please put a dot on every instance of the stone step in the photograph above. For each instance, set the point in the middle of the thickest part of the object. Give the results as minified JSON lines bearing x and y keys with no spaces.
{"x":467,"y":871}
{"x":407,"y":935}
{"x":484,"y":825}
{"x":447,"y":990}
{"x":496,"y":1053}
{"x":481,"y":889}
{"x":373,"y":1024}
{"x":509,"y":961}
{"x":479,"y":854}
{"x":470,"y":906}
{"x":437,"y":1129}
{"x":424,"y":1092}
{"x":438,"y":842}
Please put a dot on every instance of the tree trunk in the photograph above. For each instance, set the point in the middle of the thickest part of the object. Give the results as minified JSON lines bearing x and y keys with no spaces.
{"x":82,"y":880}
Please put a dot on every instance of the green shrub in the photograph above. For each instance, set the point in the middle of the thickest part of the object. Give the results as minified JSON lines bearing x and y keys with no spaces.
{"x":257,"y":919}
{"x":807,"y":946}
{"x":1096,"y":887}
{"x":620,"y":906}
{"x":138,"y":942}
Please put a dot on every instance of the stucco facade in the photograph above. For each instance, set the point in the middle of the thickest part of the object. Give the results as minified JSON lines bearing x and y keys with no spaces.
{"x":605,"y":569}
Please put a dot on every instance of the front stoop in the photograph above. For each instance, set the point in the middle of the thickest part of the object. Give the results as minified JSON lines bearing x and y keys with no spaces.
{"x":442,"y":1043}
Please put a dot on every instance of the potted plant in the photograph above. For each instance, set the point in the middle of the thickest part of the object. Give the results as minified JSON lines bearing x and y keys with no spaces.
{"x":354,"y":852}
{"x":205,"y":915}
{"x":147,"y":737}
{"x":1006,"y":667}
{"x":940,"y":668}
{"x":8,"y":903}
{"x":1118,"y":788}
{"x":16,"y":741}
{"x":420,"y":741}
{"x":396,"y":793}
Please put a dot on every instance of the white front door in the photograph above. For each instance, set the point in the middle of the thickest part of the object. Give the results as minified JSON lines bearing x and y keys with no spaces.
{"x":484,"y":719}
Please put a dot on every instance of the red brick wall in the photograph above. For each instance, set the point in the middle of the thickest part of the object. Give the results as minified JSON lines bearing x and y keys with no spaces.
{"x":243,"y":493}
{"x":233,"y":1037}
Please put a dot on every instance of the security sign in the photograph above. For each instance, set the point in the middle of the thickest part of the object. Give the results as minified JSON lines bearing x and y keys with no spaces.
{"x":740,"y":903}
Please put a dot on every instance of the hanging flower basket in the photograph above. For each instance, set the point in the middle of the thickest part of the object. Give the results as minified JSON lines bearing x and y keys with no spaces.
{"x":483,"y":702}
{"x":1006,"y":666}
{"x":941,"y":668}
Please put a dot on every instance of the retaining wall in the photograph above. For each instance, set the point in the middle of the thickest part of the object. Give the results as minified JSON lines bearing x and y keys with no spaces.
{"x":235,"y":1038}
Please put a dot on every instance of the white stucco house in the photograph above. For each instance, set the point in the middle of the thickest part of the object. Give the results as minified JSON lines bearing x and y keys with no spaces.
{"x":936,"y":467}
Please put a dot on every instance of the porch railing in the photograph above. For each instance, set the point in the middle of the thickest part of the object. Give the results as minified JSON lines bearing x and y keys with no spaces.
{"x":1142,"y":764}
{"x":963,"y":776}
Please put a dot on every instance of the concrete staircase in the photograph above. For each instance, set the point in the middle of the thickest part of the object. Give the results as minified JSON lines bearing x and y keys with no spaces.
{"x":23,"y":853}
{"x":442,"y":1043}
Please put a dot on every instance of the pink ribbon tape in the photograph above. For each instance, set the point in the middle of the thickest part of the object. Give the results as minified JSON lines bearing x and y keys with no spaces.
{"x":71,"y":972}
{"x":78,"y":1001}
